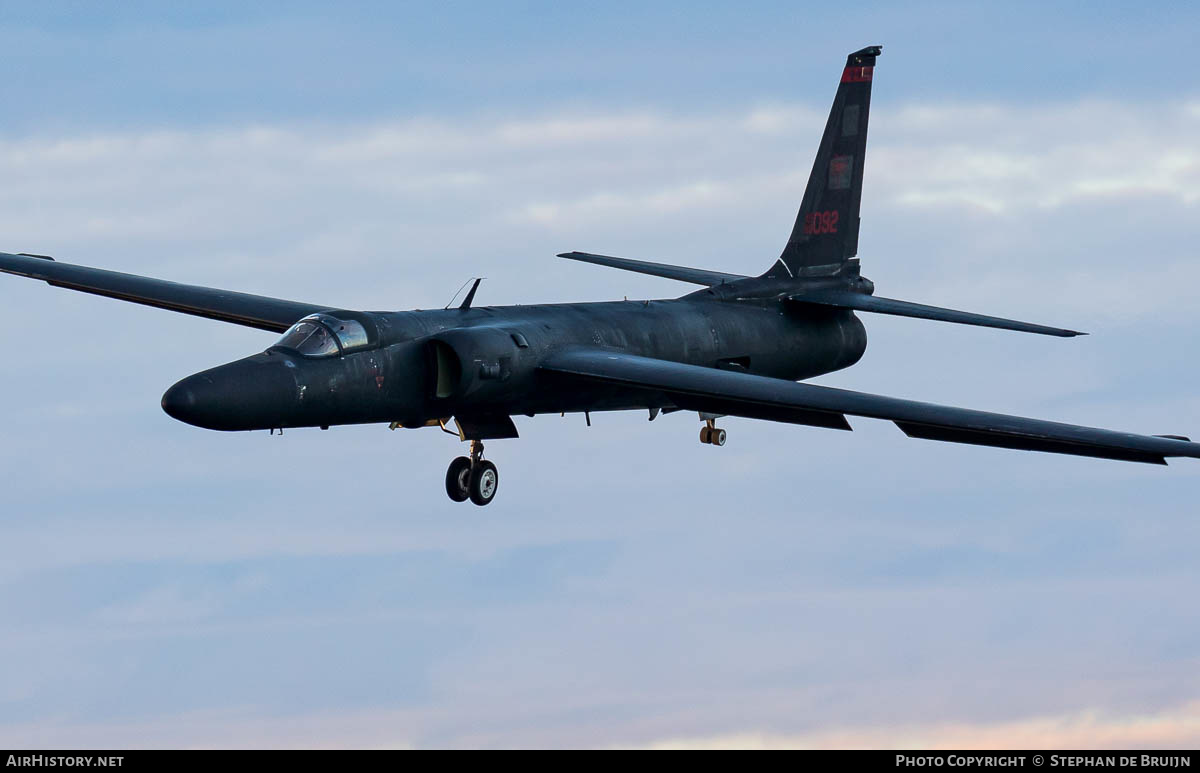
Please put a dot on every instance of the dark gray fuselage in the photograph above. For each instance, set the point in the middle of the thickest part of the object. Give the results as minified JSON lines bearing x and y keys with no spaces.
{"x":425,"y":366}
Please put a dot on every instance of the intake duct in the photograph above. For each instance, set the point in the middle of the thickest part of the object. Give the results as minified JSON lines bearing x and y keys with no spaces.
{"x":478,"y":363}
{"x":445,"y":370}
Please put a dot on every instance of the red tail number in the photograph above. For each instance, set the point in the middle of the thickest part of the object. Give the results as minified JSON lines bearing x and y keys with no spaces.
{"x":821,"y":222}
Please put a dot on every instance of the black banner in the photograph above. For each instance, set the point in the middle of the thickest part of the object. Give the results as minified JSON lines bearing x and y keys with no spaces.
{"x":887,"y":760}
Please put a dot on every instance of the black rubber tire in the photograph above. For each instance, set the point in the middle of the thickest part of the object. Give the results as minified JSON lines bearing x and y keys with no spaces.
{"x":485,"y":481}
{"x":458,"y":479}
{"x":705,"y":435}
{"x":717,"y":437}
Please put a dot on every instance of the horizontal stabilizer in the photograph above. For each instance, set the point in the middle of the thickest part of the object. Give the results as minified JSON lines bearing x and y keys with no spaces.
{"x":745,"y":394}
{"x":682,"y":273}
{"x":859,"y":302}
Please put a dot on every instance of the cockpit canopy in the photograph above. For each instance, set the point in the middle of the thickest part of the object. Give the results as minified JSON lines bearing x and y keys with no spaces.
{"x":324,"y":335}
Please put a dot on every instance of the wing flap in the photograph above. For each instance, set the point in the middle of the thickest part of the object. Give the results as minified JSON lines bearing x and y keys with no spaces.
{"x":744,"y":394}
{"x":693,"y":388}
{"x":255,"y":311}
{"x":1024,"y":443}
{"x":858,"y":301}
{"x":751,"y":410}
{"x":682,"y":273}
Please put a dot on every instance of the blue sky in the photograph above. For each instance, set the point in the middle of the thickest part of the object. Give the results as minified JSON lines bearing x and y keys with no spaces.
{"x":144,"y":64}
{"x":162,"y":585}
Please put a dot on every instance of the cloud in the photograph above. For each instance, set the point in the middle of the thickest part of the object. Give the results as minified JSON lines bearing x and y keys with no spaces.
{"x":246,"y":203}
{"x":1175,"y":728}
{"x":1000,"y":158}
{"x":1006,"y":161}
{"x":224,"y":729}
{"x":796,"y":582}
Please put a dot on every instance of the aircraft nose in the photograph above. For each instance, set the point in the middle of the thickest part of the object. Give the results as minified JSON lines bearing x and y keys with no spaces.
{"x":254,"y":393}
{"x":179,"y":400}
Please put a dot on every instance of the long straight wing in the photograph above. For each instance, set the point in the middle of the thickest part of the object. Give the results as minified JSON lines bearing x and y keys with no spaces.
{"x":850,"y":300}
{"x":743,"y":394}
{"x":697,"y":276}
{"x":239,"y":308}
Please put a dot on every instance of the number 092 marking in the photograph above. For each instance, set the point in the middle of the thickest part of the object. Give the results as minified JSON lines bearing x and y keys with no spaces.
{"x":821,"y":222}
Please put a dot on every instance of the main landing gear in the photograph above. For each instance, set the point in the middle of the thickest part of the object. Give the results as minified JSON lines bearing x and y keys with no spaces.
{"x":711,"y":434}
{"x":472,"y":477}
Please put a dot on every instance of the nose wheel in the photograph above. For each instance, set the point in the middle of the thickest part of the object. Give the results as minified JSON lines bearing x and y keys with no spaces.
{"x":472,"y":477}
{"x":458,"y":479}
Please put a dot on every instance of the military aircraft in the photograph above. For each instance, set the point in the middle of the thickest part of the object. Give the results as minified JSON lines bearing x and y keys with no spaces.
{"x":737,"y":347}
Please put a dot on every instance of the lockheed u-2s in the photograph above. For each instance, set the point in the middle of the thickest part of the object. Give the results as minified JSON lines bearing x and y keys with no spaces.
{"x":735,"y":348}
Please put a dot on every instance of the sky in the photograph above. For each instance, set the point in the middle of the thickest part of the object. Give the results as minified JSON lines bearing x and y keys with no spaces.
{"x":161,"y":585}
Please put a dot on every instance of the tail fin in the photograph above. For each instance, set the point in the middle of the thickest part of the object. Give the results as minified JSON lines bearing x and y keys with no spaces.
{"x":825,"y":236}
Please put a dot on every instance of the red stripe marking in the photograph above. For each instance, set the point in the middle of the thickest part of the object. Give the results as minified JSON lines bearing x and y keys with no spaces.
{"x":857,"y":74}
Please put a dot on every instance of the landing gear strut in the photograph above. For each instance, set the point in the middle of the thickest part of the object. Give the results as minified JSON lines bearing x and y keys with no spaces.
{"x":472,"y":477}
{"x":712,"y":434}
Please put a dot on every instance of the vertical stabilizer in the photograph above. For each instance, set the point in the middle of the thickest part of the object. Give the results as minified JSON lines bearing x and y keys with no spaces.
{"x":826,"y":232}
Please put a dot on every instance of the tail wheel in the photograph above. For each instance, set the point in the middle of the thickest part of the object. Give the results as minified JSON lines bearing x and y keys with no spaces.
{"x":458,"y":479}
{"x":705,"y":435}
{"x":484,"y":482}
{"x":717,"y":436}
